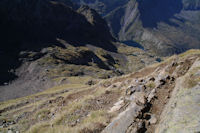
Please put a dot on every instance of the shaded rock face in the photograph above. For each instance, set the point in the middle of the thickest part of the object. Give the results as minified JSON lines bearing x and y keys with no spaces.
{"x":191,"y":4}
{"x":161,"y":26}
{"x":35,"y":24}
{"x":37,"y":21}
{"x":102,"y":6}
{"x":155,"y":11}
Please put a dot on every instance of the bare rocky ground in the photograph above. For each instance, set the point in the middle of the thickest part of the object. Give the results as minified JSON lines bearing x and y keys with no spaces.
{"x":160,"y":98}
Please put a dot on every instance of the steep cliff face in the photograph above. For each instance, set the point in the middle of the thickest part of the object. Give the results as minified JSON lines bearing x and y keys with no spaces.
{"x":164,"y":27}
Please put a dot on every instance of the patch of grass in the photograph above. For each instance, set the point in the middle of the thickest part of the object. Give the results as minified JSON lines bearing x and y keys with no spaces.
{"x":134,"y":64}
{"x":106,"y":83}
{"x":192,"y":83}
{"x":100,"y":53}
{"x":70,"y":109}
{"x":42,"y":114}
{"x":46,"y":92}
{"x":128,"y":49}
{"x":24,"y":124}
{"x":72,"y":118}
{"x":3,"y":130}
{"x":191,"y":80}
{"x":38,"y":128}
{"x":63,"y":87}
{"x":96,"y":116}
{"x":190,"y":52}
{"x":151,"y":85}
{"x":69,"y":116}
{"x":62,"y":55}
{"x":79,"y":80}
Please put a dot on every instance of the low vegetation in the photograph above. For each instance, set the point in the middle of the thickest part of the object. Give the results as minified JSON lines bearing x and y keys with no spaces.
{"x":77,"y":106}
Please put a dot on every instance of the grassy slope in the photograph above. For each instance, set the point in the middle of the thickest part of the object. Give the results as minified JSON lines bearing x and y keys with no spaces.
{"x":71,"y":107}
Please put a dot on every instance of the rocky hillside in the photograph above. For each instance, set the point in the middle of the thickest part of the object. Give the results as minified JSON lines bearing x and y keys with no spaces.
{"x":63,"y":71}
{"x":54,"y":66}
{"x":163,"y":97}
{"x":30,"y":25}
{"x":103,"y":7}
{"x":46,"y":43}
{"x":162,"y":26}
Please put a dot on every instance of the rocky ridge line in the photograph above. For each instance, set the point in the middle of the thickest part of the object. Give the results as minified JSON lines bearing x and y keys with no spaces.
{"x":147,"y":98}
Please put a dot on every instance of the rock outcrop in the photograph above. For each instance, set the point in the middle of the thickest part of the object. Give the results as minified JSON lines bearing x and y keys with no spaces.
{"x":166,"y":102}
{"x":182,"y":114}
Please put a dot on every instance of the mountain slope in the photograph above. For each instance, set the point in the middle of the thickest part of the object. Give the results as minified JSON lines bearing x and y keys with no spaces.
{"x":103,"y":7}
{"x":35,"y":24}
{"x":47,"y":43}
{"x":165,"y":27}
{"x":162,"y":26}
{"x":148,"y":100}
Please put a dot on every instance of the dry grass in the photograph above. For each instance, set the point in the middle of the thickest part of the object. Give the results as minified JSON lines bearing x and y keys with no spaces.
{"x":190,"y":52}
{"x":76,"y":100}
{"x":192,"y":79}
{"x":46,"y":92}
{"x":128,"y":49}
{"x":42,"y":114}
{"x":68,"y":115}
{"x":151,"y":85}
{"x":94,"y":117}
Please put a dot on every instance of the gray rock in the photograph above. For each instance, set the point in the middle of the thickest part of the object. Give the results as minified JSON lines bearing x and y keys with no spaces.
{"x":161,"y":80}
{"x":140,"y":98}
{"x":124,"y":119}
{"x":197,"y":73}
{"x":151,"y":95}
{"x":117,"y":106}
{"x":10,"y":131}
{"x":132,"y":89}
{"x":1,"y":122}
{"x":153,"y":120}
{"x":182,"y":112}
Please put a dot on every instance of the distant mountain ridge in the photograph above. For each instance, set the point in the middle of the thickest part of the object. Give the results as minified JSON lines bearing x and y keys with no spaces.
{"x":162,"y":26}
{"x":102,"y":6}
